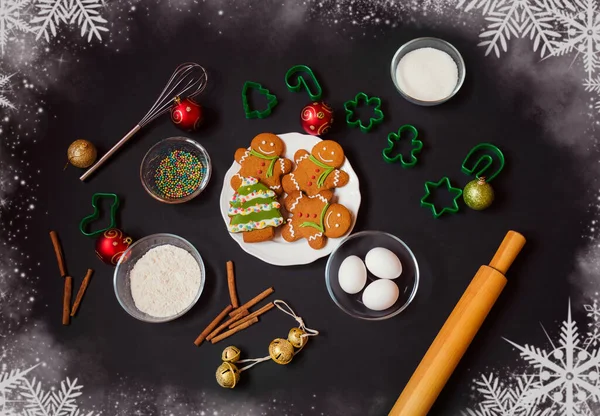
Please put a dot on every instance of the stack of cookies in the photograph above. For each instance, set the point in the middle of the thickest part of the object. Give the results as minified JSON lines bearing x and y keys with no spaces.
{"x":308,"y":184}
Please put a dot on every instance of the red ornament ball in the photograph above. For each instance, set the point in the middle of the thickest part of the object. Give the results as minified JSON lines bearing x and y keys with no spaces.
{"x":316,"y":118}
{"x":111,"y":245}
{"x":186,"y":114}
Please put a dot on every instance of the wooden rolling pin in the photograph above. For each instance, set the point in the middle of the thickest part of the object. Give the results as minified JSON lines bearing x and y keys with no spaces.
{"x":460,"y":328}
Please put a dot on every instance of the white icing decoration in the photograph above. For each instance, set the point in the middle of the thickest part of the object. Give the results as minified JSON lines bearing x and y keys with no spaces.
{"x":282,"y":164}
{"x":246,"y":154}
{"x":296,"y":201}
{"x":321,"y":197}
{"x":289,"y":221}
{"x":327,"y":220}
{"x":336,"y":177}
{"x":315,"y":236}
{"x":301,"y":158}
{"x":293,"y":178}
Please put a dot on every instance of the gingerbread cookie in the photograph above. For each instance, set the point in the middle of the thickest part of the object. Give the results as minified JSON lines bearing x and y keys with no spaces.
{"x":263,"y":161}
{"x":254,"y":211}
{"x":317,"y":171}
{"x":315,"y":218}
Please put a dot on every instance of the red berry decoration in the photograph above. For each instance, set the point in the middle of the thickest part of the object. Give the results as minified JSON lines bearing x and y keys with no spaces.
{"x":111,"y":245}
{"x":186,"y":114}
{"x":316,"y":118}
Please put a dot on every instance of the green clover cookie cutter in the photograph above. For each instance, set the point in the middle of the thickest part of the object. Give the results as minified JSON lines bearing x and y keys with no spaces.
{"x":271,"y":100}
{"x":90,"y":218}
{"x":351,"y":105}
{"x":485,"y":161}
{"x":394,"y":137}
{"x":452,"y":209}
{"x":299,"y":82}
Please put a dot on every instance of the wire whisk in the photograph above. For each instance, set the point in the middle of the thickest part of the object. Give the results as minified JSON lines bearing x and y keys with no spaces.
{"x":187,"y":81}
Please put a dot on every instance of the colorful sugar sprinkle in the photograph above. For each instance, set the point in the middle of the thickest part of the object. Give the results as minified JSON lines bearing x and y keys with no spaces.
{"x":178,"y":175}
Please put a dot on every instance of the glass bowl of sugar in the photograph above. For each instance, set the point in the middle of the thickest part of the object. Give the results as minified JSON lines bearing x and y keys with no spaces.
{"x":159,"y":278}
{"x":428,"y":71}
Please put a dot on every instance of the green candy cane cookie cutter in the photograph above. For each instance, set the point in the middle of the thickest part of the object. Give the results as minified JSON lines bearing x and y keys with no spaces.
{"x":96,"y":214}
{"x":437,"y":212}
{"x":271,"y":100}
{"x":300,"y":82}
{"x":480,"y":167}
{"x":354,"y":121}
{"x":394,"y":137}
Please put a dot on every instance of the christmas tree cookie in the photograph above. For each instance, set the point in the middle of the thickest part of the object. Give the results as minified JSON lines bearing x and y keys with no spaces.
{"x":254,"y":211}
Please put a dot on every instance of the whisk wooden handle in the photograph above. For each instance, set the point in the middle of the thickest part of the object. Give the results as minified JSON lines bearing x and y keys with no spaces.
{"x":108,"y":154}
{"x":456,"y":335}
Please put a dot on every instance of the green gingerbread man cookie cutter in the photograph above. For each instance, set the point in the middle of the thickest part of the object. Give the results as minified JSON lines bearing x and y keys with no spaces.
{"x":354,"y":121}
{"x":435,"y":209}
{"x":394,"y":137}
{"x":271,"y":100}
{"x":85,"y":222}
{"x":299,"y":82}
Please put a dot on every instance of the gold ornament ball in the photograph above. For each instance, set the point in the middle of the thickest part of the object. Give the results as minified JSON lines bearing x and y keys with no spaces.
{"x":281,"y":351}
{"x":296,"y":339}
{"x":231,"y":354}
{"x":228,"y":375}
{"x":82,"y":154}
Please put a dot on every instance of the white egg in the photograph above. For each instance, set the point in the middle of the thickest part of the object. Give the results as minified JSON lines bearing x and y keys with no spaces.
{"x":380,"y":295}
{"x":352,"y":275}
{"x":383,"y":263}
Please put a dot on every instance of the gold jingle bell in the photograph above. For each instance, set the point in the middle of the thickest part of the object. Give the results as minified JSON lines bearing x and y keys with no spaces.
{"x":281,"y":351}
{"x":296,"y":339}
{"x":82,"y":154}
{"x":231,"y":354}
{"x":228,"y":375}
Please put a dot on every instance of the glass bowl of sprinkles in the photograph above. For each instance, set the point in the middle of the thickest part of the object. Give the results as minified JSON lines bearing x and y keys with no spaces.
{"x":175,"y":170}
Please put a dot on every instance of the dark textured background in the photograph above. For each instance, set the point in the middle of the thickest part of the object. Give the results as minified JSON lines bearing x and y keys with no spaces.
{"x":364,"y":365}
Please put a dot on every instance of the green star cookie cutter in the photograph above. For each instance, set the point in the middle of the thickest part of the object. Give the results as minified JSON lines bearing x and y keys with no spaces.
{"x":299,"y":82}
{"x":351,"y":105}
{"x":83,"y":225}
{"x":271,"y":100}
{"x":394,"y":137}
{"x":485,"y":161}
{"x":453,"y":209}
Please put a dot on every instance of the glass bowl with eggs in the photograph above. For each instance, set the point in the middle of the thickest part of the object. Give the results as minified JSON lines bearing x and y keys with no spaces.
{"x":372,"y":275}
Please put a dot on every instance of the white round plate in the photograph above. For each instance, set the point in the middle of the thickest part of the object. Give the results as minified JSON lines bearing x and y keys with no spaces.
{"x":278,"y":251}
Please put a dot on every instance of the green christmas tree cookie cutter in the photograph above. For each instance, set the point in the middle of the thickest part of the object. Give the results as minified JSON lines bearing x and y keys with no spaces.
{"x":271,"y":100}
{"x":83,"y":225}
{"x":299,"y":82}
{"x":481,"y":166}
{"x":437,"y":212}
{"x":394,"y":137}
{"x":353,"y":121}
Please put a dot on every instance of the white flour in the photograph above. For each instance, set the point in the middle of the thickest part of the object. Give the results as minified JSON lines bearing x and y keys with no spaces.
{"x":164,"y":281}
{"x":427,"y":74}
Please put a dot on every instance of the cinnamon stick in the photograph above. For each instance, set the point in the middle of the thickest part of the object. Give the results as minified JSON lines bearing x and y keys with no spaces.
{"x":255,"y":300}
{"x":67,"y":299}
{"x":81,"y":291}
{"x":59,"y":253}
{"x":259,"y":312}
{"x":242,"y":313}
{"x":212,"y":325}
{"x":234,"y":330}
{"x":231,"y":285}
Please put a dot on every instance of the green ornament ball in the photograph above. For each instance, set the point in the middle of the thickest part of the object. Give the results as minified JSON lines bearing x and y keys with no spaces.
{"x":478,"y":194}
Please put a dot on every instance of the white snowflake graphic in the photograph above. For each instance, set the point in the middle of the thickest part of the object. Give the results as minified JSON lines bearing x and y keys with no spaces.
{"x":83,"y":13}
{"x":5,"y":88}
{"x":534,"y":19}
{"x":11,"y":20}
{"x":564,"y":380}
{"x":32,"y":400}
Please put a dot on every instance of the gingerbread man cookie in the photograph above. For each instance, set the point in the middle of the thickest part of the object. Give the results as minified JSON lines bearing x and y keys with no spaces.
{"x":263,"y":161}
{"x":315,"y":218}
{"x":317,"y":171}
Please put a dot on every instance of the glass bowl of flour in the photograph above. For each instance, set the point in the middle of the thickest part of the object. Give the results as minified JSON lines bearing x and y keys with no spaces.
{"x":159,"y":278}
{"x":428,"y":71}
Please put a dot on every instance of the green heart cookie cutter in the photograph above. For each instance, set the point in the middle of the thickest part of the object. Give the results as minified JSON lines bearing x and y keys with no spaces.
{"x":452,"y":209}
{"x":300,"y":82}
{"x":96,"y":214}
{"x":351,"y":105}
{"x":271,"y":100}
{"x":394,"y":137}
